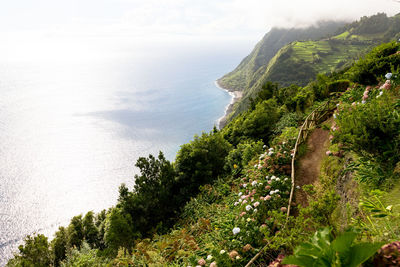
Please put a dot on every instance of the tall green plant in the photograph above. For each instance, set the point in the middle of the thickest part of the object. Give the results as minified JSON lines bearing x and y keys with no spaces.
{"x":323,"y":250}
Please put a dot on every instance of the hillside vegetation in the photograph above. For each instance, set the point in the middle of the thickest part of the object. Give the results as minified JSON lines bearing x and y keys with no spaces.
{"x":253,"y":66}
{"x":299,"y":61}
{"x":225,"y":198}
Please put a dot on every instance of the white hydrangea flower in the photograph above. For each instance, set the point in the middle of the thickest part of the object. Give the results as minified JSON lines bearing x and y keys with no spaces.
{"x":222,"y":252}
{"x":240,"y":193}
{"x":253,"y":183}
{"x":248,"y":207}
{"x":236,"y":230}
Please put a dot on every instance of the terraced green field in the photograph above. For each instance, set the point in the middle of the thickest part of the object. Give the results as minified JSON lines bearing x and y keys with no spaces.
{"x":326,"y":56}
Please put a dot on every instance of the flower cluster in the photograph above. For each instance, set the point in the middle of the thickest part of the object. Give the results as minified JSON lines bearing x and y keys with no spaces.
{"x":365,"y":95}
{"x":388,"y":255}
{"x":269,"y":187}
{"x":386,"y":85}
{"x":276,"y":159}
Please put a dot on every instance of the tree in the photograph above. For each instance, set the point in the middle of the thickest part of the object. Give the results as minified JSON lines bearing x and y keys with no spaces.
{"x":100,"y":223}
{"x":90,"y":231}
{"x":119,"y":232}
{"x":35,"y":252}
{"x":152,"y":200}
{"x":200,"y":162}
{"x":59,"y":245}
{"x":75,"y":232}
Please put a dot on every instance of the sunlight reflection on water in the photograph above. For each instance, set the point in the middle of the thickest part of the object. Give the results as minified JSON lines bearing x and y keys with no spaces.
{"x":71,"y":131}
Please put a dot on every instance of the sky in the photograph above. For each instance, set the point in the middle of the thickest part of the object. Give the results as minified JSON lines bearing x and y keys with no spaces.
{"x":45,"y":21}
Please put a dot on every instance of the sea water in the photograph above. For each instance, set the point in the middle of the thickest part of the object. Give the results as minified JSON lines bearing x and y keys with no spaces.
{"x":72,"y":127}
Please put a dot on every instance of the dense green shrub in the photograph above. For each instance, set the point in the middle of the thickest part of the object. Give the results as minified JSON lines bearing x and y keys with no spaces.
{"x":368,"y":172}
{"x":291,"y":119}
{"x":372,"y":130}
{"x":268,"y":91}
{"x":253,"y":125}
{"x":286,"y":96}
{"x":338,"y":86}
{"x":35,"y":252}
{"x":378,"y":62}
{"x":84,"y":257}
{"x":304,"y":98}
{"x":242,"y":154}
{"x":200,"y":162}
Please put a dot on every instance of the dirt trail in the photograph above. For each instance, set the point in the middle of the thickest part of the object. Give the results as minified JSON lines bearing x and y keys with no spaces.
{"x":308,"y":169}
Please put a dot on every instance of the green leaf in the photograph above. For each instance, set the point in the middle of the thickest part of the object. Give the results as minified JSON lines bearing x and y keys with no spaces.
{"x":307,"y":249}
{"x":362,"y":252}
{"x":376,"y":210}
{"x":322,"y":238}
{"x":381,"y":215}
{"x":302,"y":261}
{"x":343,"y":242}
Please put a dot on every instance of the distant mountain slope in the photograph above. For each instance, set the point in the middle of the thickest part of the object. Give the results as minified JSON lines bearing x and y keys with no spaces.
{"x":254,"y":65}
{"x":300,"y":60}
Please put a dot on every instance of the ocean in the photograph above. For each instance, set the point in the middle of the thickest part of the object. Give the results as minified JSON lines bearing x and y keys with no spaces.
{"x":73,"y":126}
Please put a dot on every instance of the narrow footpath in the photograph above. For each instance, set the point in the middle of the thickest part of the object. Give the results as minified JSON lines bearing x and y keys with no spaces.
{"x":308,"y":168}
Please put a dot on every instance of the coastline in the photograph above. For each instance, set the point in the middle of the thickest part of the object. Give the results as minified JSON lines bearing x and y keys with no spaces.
{"x":236,"y":96}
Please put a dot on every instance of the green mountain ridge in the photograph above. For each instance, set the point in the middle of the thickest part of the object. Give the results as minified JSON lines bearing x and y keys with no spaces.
{"x":299,"y":61}
{"x":254,"y":65}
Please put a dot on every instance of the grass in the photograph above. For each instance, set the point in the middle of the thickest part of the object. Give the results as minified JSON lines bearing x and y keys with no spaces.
{"x":342,"y":36}
{"x":324,"y":56}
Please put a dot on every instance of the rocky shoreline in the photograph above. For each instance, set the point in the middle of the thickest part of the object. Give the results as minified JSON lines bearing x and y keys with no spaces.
{"x":236,"y":96}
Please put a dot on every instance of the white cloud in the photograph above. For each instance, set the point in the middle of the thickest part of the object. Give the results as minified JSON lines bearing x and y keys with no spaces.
{"x":241,"y":17}
{"x":130,"y":18}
